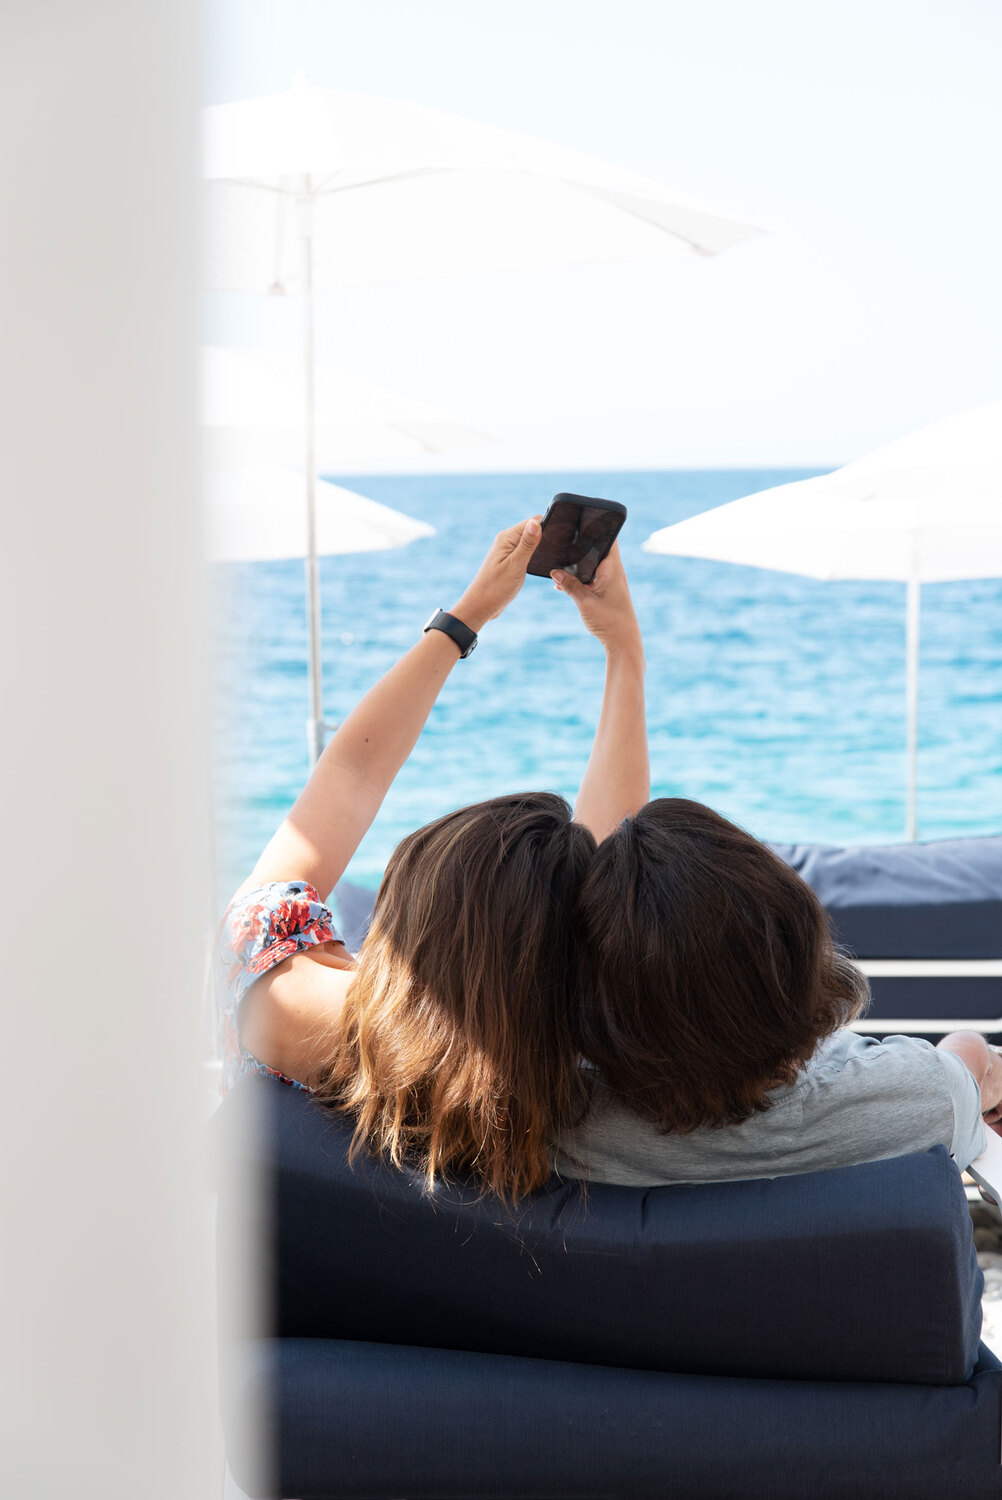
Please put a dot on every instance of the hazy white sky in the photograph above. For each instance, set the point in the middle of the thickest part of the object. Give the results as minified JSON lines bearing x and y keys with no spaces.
{"x":865,"y":134}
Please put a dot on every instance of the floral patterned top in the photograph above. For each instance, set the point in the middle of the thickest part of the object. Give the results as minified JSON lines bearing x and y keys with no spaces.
{"x":260,"y":929}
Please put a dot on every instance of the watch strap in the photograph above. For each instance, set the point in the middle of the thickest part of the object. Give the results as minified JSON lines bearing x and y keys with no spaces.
{"x":464,"y":637}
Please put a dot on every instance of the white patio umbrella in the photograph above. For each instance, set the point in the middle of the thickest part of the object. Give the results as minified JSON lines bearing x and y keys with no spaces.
{"x":256,"y":514}
{"x":252,"y":411}
{"x":317,"y":188}
{"x":924,"y":509}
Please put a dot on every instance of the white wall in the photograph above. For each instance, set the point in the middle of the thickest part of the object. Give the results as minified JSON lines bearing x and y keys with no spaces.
{"x":105,"y":1333}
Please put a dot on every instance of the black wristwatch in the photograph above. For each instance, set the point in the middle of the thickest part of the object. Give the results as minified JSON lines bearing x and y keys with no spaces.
{"x":464,"y":637}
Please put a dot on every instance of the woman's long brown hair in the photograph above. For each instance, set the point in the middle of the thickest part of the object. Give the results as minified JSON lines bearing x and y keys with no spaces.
{"x":456,"y":1049}
{"x":714,"y":973}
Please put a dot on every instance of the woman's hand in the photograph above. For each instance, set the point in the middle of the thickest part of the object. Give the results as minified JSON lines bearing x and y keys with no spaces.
{"x":500,"y":576}
{"x":605,"y":605}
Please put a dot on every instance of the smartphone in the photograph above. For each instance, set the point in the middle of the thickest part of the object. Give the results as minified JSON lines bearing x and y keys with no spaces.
{"x":578,"y":533}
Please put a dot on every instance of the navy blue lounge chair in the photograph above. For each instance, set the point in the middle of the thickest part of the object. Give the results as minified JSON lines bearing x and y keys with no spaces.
{"x":801,"y":1336}
{"x":924,"y":921}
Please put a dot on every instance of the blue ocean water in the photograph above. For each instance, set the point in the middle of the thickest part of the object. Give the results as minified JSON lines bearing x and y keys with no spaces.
{"x":776,"y":699}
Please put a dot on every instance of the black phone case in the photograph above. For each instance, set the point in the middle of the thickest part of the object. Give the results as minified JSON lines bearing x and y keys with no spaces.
{"x":544,"y":560}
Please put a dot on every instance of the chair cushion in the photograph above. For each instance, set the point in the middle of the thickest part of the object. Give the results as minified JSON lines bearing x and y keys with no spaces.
{"x":862,"y":1273}
{"x":936,"y":900}
{"x":374,"y":1422}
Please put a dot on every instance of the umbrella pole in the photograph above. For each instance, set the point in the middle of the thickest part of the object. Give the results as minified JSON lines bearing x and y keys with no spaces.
{"x":315,"y":723}
{"x":911,"y":701}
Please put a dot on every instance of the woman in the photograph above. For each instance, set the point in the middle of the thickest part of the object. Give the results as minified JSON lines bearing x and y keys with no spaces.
{"x":451,"y":1036}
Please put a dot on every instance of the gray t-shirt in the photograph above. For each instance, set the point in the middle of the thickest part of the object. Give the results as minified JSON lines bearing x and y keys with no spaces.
{"x":857,"y":1100}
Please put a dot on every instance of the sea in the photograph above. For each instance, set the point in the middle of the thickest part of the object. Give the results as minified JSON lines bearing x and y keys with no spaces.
{"x":778,"y":700}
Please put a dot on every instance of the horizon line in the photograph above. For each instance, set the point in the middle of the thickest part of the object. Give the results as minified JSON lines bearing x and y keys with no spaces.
{"x":778,"y":468}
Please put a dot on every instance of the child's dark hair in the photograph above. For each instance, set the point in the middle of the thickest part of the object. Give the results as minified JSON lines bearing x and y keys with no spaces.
{"x":714,"y":973}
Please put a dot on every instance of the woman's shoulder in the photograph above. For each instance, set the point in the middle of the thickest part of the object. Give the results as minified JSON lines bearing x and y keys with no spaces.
{"x":264,"y":926}
{"x":289,"y":913}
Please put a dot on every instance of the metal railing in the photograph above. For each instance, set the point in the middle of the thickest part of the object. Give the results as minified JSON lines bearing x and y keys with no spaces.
{"x":931,"y":968}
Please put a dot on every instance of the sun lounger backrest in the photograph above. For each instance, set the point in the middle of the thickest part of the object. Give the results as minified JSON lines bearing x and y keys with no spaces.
{"x":864,"y":1273}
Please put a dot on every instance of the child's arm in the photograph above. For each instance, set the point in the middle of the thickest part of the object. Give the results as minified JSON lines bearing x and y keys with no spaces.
{"x":617,"y":779}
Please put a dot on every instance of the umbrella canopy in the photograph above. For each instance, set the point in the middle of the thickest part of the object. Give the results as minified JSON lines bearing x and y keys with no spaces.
{"x":252,"y":409}
{"x":257,"y":514}
{"x":399,"y":190}
{"x":319,"y":188}
{"x":926,"y":508}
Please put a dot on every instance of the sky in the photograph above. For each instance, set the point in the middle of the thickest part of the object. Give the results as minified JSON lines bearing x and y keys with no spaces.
{"x":864,"y":136}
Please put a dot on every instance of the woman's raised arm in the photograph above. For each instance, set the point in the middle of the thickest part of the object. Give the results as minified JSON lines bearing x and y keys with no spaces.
{"x":617,"y":779}
{"x":346,"y":789}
